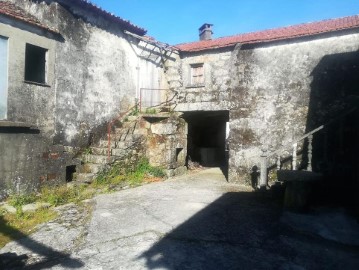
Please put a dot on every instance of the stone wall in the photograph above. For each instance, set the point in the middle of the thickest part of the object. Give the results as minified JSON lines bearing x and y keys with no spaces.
{"x":97,"y":73}
{"x":214,"y":93}
{"x":166,"y":142}
{"x":274,"y":92}
{"x":275,"y":97}
{"x":93,"y":73}
{"x":28,"y":160}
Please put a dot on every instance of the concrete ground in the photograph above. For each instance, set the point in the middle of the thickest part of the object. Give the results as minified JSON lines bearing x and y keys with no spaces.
{"x":198,"y":221}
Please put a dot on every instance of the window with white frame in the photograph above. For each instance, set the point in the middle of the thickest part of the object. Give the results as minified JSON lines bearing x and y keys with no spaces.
{"x":197,"y":74}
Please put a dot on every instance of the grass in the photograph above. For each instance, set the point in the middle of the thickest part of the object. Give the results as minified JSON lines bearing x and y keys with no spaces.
{"x":19,"y":225}
{"x":15,"y":226}
{"x":150,"y":111}
{"x":132,"y":176}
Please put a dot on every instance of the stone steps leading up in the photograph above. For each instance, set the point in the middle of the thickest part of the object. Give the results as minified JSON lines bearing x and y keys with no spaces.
{"x":123,"y":141}
{"x":98,"y":159}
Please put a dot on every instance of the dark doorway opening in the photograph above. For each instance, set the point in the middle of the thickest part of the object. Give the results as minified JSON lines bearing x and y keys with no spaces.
{"x":207,"y":138}
{"x":70,"y":170}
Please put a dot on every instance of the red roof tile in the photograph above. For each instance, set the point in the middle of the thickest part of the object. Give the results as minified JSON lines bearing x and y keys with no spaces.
{"x":290,"y":32}
{"x":13,"y":11}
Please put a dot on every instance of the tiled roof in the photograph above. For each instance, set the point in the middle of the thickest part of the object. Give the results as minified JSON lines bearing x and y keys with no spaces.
{"x":124,"y":23}
{"x":13,"y":11}
{"x":283,"y":33}
{"x":16,"y":12}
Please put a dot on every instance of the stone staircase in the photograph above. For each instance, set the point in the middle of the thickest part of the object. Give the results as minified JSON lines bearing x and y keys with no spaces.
{"x":126,"y":141}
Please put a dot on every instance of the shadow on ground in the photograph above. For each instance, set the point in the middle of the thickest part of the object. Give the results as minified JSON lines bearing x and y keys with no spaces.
{"x":242,"y":231}
{"x":47,"y":256}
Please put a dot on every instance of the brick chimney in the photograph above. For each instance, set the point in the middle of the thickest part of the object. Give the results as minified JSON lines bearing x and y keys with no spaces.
{"x":205,"y":31}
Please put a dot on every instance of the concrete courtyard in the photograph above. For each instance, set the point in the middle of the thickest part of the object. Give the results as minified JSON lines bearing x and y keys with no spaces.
{"x":197,"y":221}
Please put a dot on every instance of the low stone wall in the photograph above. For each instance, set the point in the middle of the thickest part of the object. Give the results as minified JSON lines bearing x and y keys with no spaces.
{"x":28,"y":160}
{"x":166,"y":144}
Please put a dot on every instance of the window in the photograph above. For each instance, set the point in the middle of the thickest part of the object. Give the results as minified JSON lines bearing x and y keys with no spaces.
{"x":3,"y":77}
{"x":35,"y":64}
{"x":197,"y":74}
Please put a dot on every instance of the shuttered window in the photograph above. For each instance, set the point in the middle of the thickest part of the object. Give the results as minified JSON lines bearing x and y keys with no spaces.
{"x":197,"y":74}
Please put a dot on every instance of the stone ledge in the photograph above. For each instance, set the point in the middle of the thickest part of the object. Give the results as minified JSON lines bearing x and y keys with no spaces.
{"x":5,"y":123}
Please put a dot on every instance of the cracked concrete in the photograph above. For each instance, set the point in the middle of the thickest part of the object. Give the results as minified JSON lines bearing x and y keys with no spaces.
{"x":197,"y":221}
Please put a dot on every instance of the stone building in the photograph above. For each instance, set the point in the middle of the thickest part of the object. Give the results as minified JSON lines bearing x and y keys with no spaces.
{"x":67,"y":69}
{"x":239,"y":95}
{"x":292,"y":87}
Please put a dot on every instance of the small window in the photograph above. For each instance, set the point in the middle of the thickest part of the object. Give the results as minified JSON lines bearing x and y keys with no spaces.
{"x":35,"y":64}
{"x":197,"y":74}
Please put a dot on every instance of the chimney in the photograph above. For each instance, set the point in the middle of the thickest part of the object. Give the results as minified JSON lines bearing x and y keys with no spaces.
{"x":205,"y":31}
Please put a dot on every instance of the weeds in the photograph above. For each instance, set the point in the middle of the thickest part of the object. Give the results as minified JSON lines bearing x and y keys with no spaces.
{"x":18,"y":201}
{"x":14,"y":226}
{"x":87,"y":151}
{"x":132,"y":176}
{"x":142,"y":171}
{"x":150,"y":111}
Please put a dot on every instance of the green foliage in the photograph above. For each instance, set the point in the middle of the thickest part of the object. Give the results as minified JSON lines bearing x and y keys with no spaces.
{"x":15,"y":226}
{"x":112,"y":176}
{"x":87,"y":151}
{"x":143,"y":169}
{"x":18,"y":201}
{"x":135,"y":111}
{"x":63,"y":195}
{"x":150,"y":111}
{"x":117,"y":174}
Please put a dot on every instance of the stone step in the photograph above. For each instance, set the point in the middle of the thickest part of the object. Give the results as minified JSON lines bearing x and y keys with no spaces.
{"x":140,"y":131}
{"x":103,"y":151}
{"x":119,"y":152}
{"x":129,"y":124}
{"x":84,"y":177}
{"x":132,"y":118}
{"x":98,"y":159}
{"x":91,"y":168}
{"x":104,"y":143}
{"x":121,"y":131}
{"x":124,"y":144}
{"x":131,"y":137}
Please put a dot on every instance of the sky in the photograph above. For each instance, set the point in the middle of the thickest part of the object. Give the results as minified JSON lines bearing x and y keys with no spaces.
{"x":177,"y":21}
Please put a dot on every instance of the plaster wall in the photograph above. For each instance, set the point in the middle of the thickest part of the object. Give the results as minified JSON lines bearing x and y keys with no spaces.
{"x":93,"y":74}
{"x":29,"y":103}
{"x":96,"y":71}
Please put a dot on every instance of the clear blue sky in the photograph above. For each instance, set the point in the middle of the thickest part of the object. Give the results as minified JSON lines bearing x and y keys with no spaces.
{"x":177,"y":21}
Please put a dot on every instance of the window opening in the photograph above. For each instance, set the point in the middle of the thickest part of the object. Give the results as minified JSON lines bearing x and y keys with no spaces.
{"x":3,"y":77}
{"x":197,"y":74}
{"x":35,"y":64}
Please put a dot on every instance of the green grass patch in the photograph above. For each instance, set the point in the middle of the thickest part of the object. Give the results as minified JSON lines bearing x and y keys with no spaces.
{"x":15,"y":226}
{"x":19,"y":225}
{"x":150,"y":111}
{"x":117,"y":174}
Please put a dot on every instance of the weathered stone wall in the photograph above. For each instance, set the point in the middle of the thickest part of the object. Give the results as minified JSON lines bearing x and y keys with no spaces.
{"x":93,"y":73}
{"x":214,"y":94}
{"x":166,"y":142}
{"x":273,"y":89}
{"x":274,"y":92}
{"x":29,"y":160}
{"x":97,"y":72}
